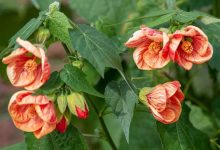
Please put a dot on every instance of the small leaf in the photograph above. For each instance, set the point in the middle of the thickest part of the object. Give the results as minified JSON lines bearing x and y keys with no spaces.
{"x":76,"y":79}
{"x":51,"y":85}
{"x":122,"y":101}
{"x":186,"y":17}
{"x":43,"y":4}
{"x":59,"y":25}
{"x":99,"y":50}
{"x":70,"y":140}
{"x":182,"y":135}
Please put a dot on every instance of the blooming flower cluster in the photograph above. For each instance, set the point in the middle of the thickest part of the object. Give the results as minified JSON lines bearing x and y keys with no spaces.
{"x":28,"y":68}
{"x":153,"y":50}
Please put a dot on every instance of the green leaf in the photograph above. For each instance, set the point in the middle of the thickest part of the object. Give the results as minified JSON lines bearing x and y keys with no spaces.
{"x":43,"y":4}
{"x":99,"y":50}
{"x":182,"y":135}
{"x":59,"y":25}
{"x":70,"y":140}
{"x":24,"y":33}
{"x":122,"y":100}
{"x":91,"y":10}
{"x":143,"y":133}
{"x":160,"y":20}
{"x":17,"y":146}
{"x":28,"y":29}
{"x":201,"y":120}
{"x":171,"y":4}
{"x":76,"y":79}
{"x":186,"y":17}
{"x":51,"y":85}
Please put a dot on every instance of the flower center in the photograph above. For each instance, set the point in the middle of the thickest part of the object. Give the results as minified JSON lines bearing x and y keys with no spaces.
{"x":154,"y":47}
{"x":187,"y":47}
{"x":30,"y":65}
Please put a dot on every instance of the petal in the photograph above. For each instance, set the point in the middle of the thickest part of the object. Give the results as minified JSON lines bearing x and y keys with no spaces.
{"x":136,"y":40}
{"x":62,"y":125}
{"x":200,"y":44}
{"x":153,"y":35}
{"x":37,"y":100}
{"x":46,"y":129}
{"x":196,"y":58}
{"x":43,"y":73}
{"x":157,"y":98}
{"x":30,"y":126}
{"x":194,"y":31}
{"x":18,"y":76}
{"x":14,"y":55}
{"x":174,"y":44}
{"x":171,"y":88}
{"x":179,"y":95}
{"x":171,"y":114}
{"x":46,"y":112}
{"x":180,"y":59}
{"x":29,"y":47}
{"x":18,"y":95}
{"x":138,"y":58}
{"x":83,"y":114}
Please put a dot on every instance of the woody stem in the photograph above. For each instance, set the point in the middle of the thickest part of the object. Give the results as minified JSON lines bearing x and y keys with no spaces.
{"x":104,"y":127}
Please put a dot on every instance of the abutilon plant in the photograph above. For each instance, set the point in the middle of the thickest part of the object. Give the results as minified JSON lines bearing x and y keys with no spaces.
{"x":135,"y":75}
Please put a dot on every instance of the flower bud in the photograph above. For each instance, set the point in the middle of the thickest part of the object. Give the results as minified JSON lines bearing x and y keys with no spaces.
{"x":77,"y":105}
{"x":42,"y":35}
{"x":78,"y":63}
{"x":62,"y":103}
{"x":62,"y":125}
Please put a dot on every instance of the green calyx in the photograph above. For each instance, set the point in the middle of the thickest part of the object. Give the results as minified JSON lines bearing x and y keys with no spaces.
{"x":143,"y":94}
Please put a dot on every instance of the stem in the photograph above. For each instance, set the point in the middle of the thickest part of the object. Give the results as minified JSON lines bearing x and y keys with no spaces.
{"x":104,"y":127}
{"x":66,"y":49}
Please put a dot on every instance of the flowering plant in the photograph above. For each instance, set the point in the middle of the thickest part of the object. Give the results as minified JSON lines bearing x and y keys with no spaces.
{"x":119,"y":79}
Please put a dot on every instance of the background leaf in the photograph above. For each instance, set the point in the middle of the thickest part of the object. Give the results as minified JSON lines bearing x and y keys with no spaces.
{"x":182,"y":135}
{"x":75,"y":78}
{"x":17,"y":146}
{"x":96,"y":48}
{"x":122,"y":101}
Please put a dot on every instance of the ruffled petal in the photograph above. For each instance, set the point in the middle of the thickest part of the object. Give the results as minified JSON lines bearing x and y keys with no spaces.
{"x":14,"y":55}
{"x":46,"y":129}
{"x":136,"y":40}
{"x":46,"y":112}
{"x":157,"y":98}
{"x":171,"y":88}
{"x":36,"y":100}
{"x":29,"y":47}
{"x":43,"y":73}
{"x":139,"y":60}
{"x":182,"y":61}
{"x":152,"y":34}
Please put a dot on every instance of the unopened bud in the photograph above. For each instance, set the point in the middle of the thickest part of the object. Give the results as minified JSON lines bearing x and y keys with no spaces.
{"x":42,"y":35}
{"x":78,"y":63}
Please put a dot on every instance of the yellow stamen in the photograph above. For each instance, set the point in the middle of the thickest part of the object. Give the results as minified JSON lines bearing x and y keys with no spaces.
{"x":187,"y":47}
{"x":30,"y":65}
{"x":154,"y":47}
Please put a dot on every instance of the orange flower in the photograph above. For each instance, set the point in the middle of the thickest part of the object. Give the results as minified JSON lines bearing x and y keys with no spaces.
{"x":164,"y":101}
{"x":149,"y":44}
{"x":189,"y":46}
{"x":32,"y":113}
{"x":27,"y":66}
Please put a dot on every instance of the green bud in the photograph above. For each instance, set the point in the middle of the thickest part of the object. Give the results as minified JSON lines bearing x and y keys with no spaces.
{"x":42,"y":35}
{"x":78,"y":63}
{"x":62,"y":103}
{"x":55,"y":6}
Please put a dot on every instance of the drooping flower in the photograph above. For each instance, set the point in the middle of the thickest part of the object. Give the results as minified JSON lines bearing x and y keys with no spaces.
{"x":77,"y":105}
{"x":27,"y":66}
{"x":32,"y":113}
{"x":149,"y":44}
{"x":62,"y":125}
{"x":164,"y":101}
{"x":189,"y":46}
